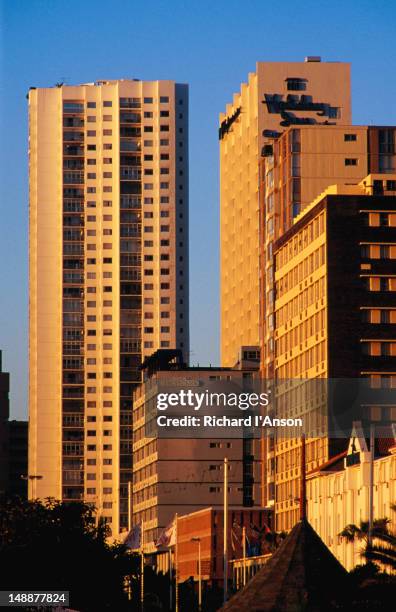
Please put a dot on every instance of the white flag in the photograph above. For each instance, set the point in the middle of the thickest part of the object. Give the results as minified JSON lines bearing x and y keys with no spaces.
{"x":134,"y":538}
{"x":167,"y":536}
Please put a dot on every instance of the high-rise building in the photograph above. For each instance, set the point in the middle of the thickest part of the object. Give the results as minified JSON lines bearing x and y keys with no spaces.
{"x":295,"y":168}
{"x":277,"y":95}
{"x":4,"y":416}
{"x":108,"y":274}
{"x":335,"y":309}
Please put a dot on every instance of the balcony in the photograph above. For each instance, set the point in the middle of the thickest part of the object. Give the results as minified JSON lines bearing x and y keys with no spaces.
{"x":130,"y":231}
{"x":130,"y":103}
{"x":71,"y":136}
{"x":70,"y":122}
{"x":130,"y":274}
{"x":73,"y":178}
{"x":130,"y":145}
{"x":72,"y":150}
{"x":130,"y":202}
{"x":73,"y":249}
{"x":130,"y":118}
{"x":131,"y":173}
{"x":73,"y":477}
{"x":71,"y":108}
{"x":73,"y":278}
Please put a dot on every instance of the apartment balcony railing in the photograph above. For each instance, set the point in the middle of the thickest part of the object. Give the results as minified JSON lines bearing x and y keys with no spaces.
{"x":71,"y":136}
{"x":130,"y":145}
{"x":130,"y":103}
{"x":127,"y":231}
{"x":73,"y":178}
{"x":130,"y":118}
{"x":72,"y":107}
{"x":70,"y":122}
{"x":129,"y":202}
{"x":130,"y":172}
{"x":73,"y":150}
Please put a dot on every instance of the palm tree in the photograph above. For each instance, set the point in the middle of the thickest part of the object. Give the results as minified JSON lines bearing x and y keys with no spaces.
{"x":381,"y":548}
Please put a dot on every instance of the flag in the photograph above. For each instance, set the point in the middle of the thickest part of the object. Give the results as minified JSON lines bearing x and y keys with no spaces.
{"x":133,"y":541}
{"x":167,"y":537}
{"x":236,"y":537}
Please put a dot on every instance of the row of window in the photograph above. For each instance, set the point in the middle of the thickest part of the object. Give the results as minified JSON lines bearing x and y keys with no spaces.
{"x":378,"y":251}
{"x":310,"y":358}
{"x":300,"y":241}
{"x":380,"y":283}
{"x":383,"y":315}
{"x":379,"y":348}
{"x":301,"y":271}
{"x":299,"y":334}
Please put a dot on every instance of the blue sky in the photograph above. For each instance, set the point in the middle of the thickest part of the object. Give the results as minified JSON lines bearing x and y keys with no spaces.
{"x":210,"y":45}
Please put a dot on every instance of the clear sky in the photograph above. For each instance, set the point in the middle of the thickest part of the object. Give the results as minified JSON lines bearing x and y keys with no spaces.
{"x":212,"y":45}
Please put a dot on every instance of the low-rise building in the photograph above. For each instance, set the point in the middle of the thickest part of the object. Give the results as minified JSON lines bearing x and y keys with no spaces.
{"x":338,"y":493}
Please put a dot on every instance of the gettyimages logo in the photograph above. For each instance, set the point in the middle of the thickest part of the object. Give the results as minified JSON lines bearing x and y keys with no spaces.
{"x":196,"y":401}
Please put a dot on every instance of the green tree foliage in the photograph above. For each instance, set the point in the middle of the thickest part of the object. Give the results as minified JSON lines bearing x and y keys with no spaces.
{"x":55,"y":545}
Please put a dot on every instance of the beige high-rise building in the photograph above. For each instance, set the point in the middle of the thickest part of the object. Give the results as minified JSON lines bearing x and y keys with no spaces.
{"x":108,"y":275}
{"x":276,"y":96}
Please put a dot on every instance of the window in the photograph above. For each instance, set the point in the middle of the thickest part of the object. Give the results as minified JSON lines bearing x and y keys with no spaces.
{"x":148,"y":114}
{"x":107,"y":118}
{"x":91,"y":104}
{"x":91,"y":162}
{"x":164,"y":128}
{"x":148,"y":100}
{"x":164,"y":99}
{"x":164,"y":156}
{"x":91,"y":119}
{"x":164,"y":113}
{"x":148,"y":157}
{"x":164,"y":142}
{"x":107,"y":103}
{"x":351,"y":161}
{"x":164,"y":185}
{"x":350,"y":137}
{"x":91,"y":133}
{"x":296,"y":84}
{"x":148,"y":128}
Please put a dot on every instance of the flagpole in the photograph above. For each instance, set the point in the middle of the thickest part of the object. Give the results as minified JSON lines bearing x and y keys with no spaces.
{"x":142,"y":568}
{"x":129,"y":506}
{"x":176,"y":568}
{"x":170,"y":580}
{"x":225,"y":533}
{"x":371,"y":486}
{"x":244,"y":553}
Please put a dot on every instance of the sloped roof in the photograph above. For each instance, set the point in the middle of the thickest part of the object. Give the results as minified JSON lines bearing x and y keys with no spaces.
{"x":302,"y":575}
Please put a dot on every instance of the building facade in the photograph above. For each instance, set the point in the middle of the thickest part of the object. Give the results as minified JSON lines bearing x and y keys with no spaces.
{"x":296,"y":167}
{"x":338,"y":494}
{"x":335,"y":308}
{"x":184,"y":474}
{"x":108,"y":274}
{"x":277,"y":95}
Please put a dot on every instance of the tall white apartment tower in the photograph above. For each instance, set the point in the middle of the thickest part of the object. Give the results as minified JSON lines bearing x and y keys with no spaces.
{"x":108,"y":275}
